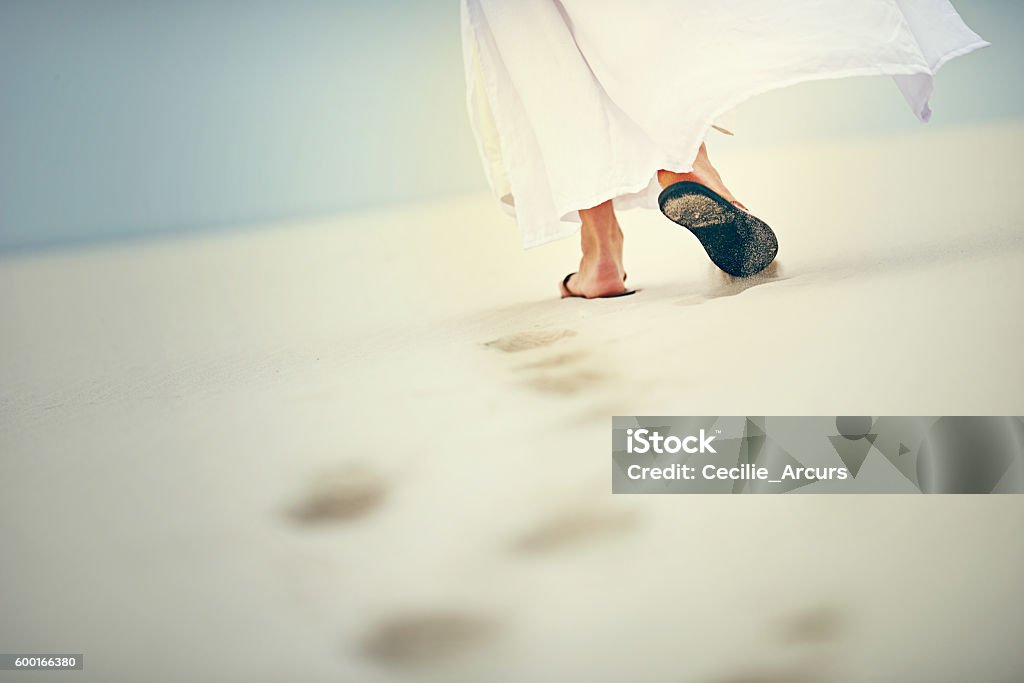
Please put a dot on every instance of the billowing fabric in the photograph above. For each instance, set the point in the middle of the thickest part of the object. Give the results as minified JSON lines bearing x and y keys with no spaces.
{"x":574,"y":102}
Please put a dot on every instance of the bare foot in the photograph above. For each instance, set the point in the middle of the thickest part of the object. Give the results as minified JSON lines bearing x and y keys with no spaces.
{"x":704,"y":173}
{"x":601,"y":272}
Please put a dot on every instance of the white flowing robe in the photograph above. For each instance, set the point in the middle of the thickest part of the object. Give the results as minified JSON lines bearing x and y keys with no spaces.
{"x":575,"y":102}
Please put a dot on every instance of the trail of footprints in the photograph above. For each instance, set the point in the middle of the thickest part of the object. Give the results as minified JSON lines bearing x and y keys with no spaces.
{"x":426,"y":640}
{"x":561,"y":374}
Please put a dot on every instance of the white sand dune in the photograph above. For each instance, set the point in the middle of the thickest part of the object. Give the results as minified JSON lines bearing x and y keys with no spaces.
{"x":377,"y":448}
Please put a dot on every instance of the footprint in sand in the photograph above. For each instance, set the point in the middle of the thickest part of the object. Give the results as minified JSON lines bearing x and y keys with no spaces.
{"x":819,"y":624}
{"x":556,"y":362}
{"x":429,"y":639}
{"x":568,"y":383}
{"x":524,"y":341}
{"x":556,"y":374}
{"x":816,"y":627}
{"x":341,"y":495}
{"x":572,"y":527}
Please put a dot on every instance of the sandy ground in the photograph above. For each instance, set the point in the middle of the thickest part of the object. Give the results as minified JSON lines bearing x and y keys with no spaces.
{"x":377,"y":448}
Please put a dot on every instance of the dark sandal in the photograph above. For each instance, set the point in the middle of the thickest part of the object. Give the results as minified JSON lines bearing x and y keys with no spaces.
{"x":737,"y":241}
{"x":568,"y":293}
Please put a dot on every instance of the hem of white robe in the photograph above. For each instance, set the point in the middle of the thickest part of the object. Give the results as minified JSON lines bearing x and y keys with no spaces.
{"x":642,"y":192}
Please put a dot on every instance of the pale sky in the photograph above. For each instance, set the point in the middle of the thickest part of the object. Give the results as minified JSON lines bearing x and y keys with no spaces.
{"x":125,"y":119}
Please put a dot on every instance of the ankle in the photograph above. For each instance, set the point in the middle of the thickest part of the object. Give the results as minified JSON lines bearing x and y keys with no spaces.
{"x":666,"y":178}
{"x":602,"y":247}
